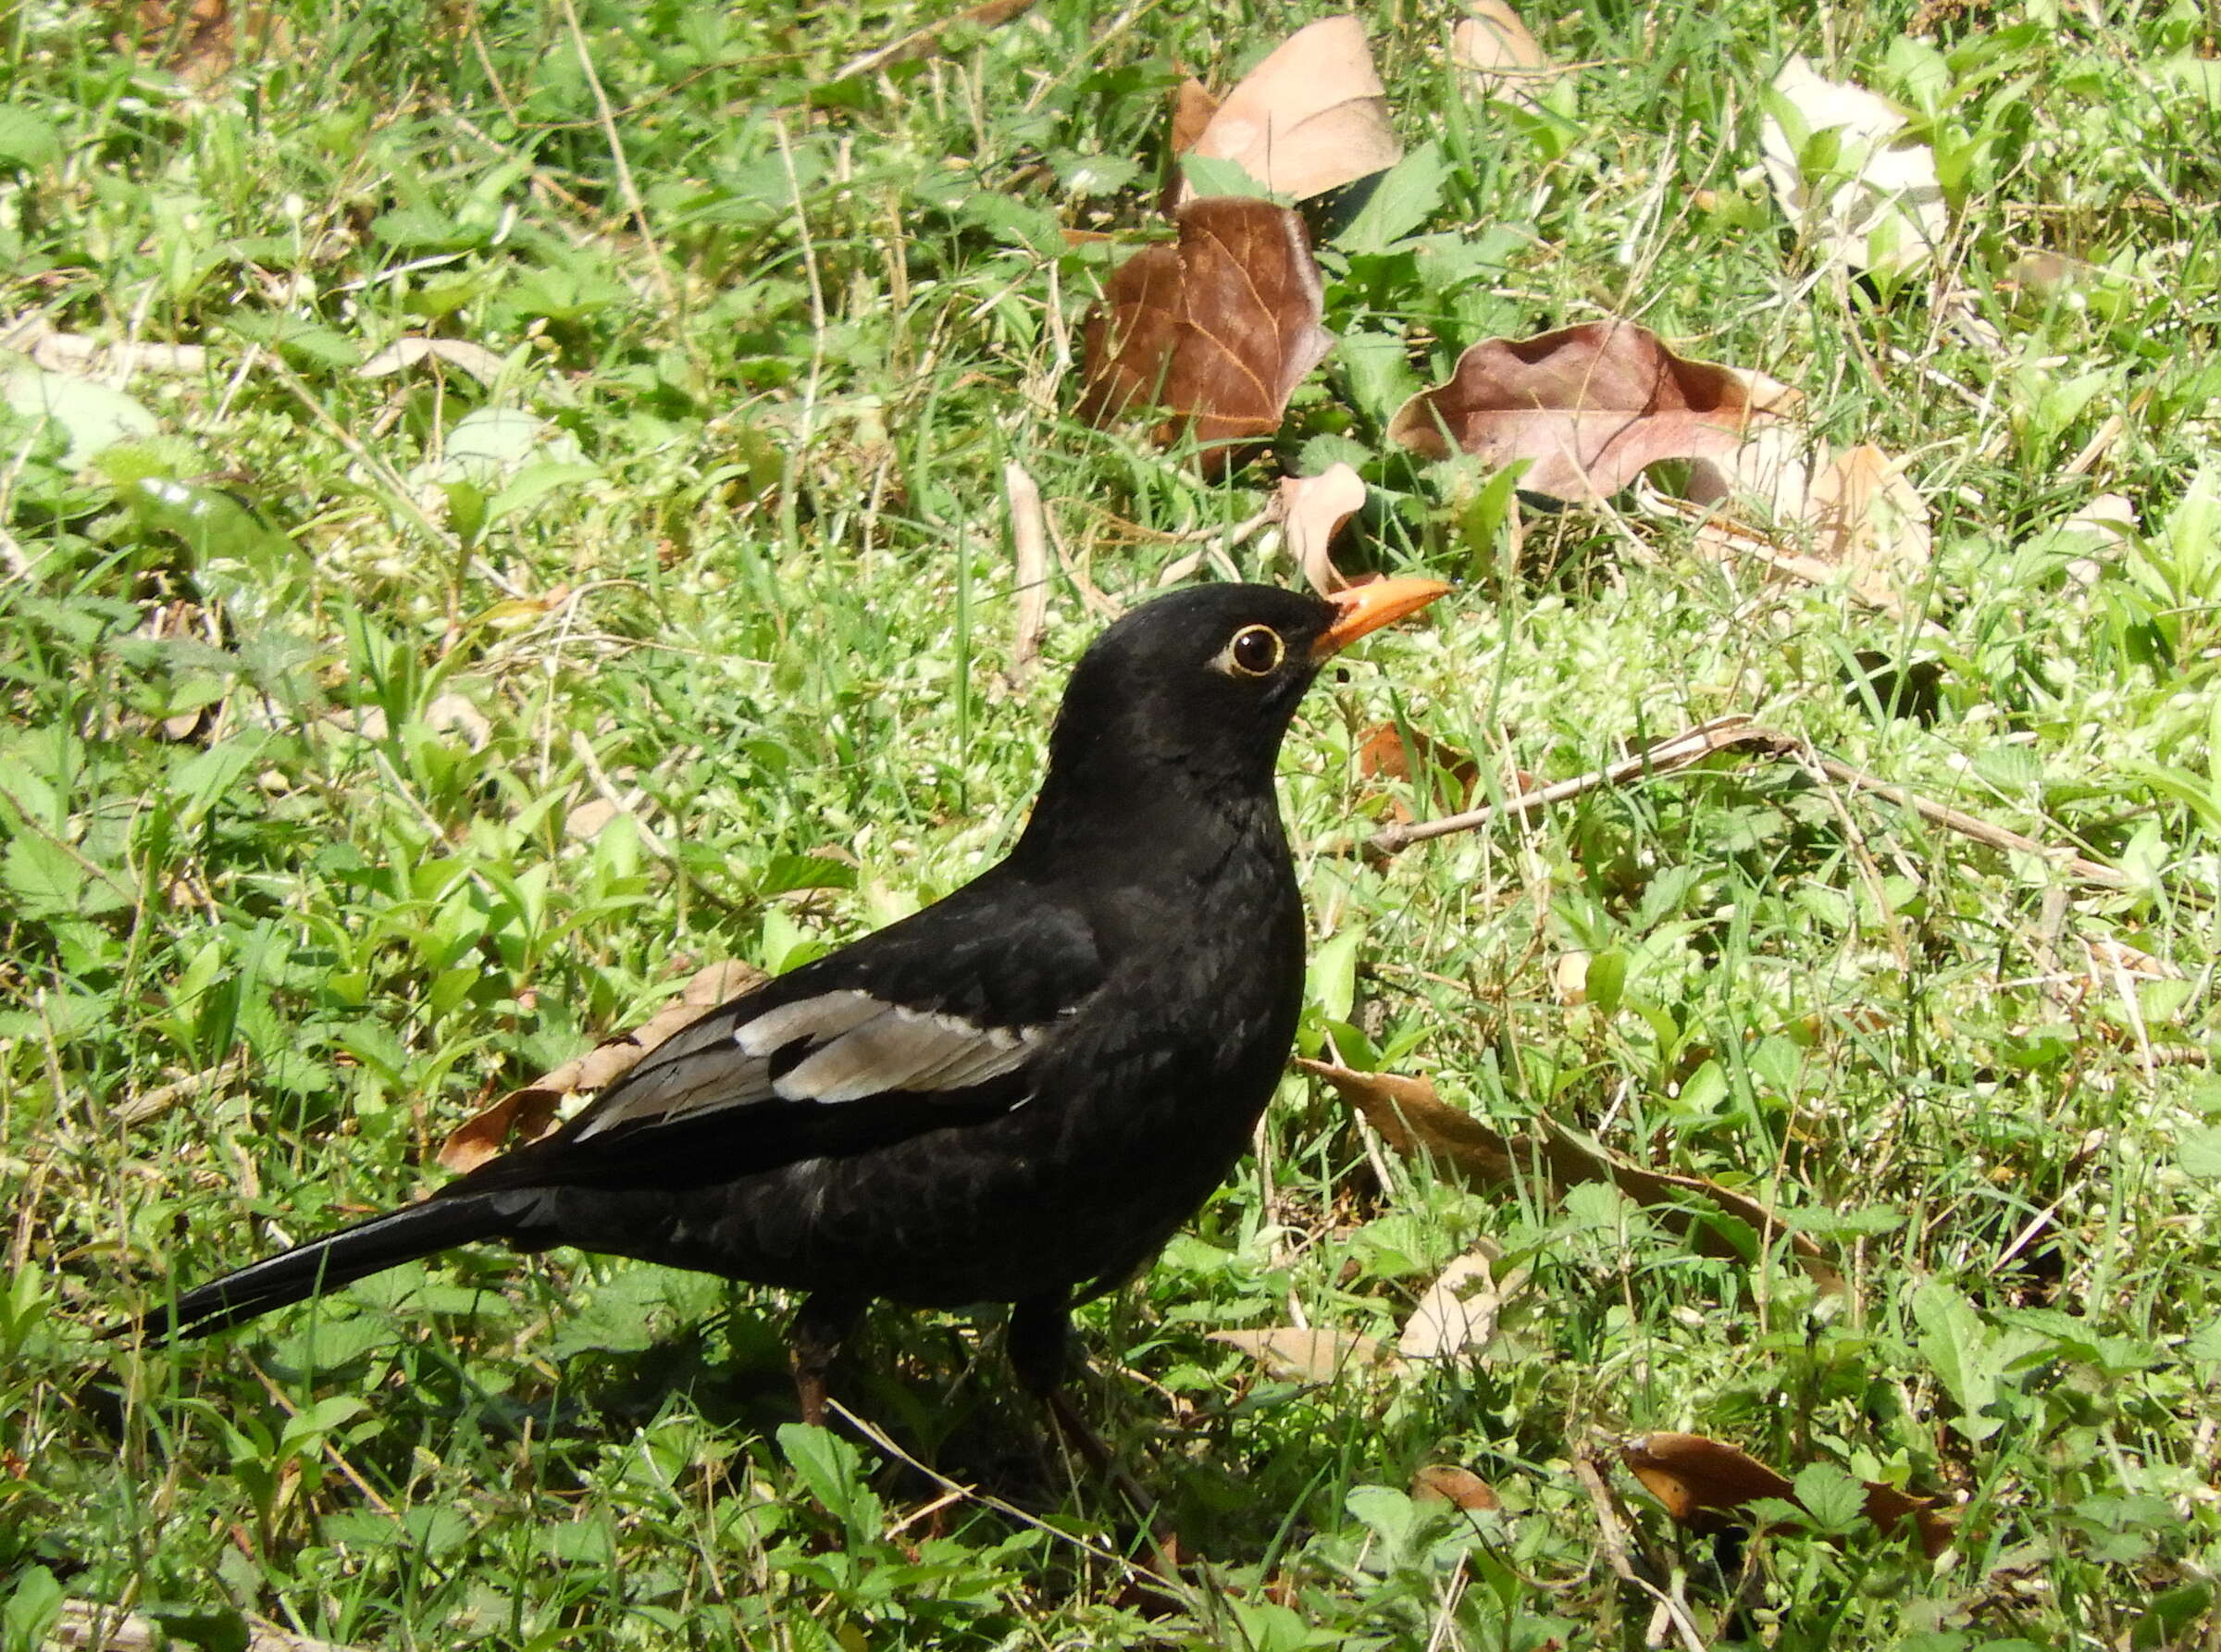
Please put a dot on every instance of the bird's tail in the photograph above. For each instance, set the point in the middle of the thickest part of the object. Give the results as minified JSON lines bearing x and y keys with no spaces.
{"x":333,"y":1261}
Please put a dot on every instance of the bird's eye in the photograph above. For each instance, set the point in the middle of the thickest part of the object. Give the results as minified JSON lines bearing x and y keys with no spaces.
{"x":1256,"y":651}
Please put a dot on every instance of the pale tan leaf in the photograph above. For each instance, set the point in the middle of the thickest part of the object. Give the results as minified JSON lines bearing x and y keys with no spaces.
{"x":1310,"y":118}
{"x":1457,"y":1316}
{"x":1866,"y":517}
{"x":1769,"y":474}
{"x":1504,"y":59}
{"x":1889,"y":212}
{"x":480,"y":363}
{"x":1312,"y":509}
{"x":587,"y":821}
{"x":1295,"y":1354}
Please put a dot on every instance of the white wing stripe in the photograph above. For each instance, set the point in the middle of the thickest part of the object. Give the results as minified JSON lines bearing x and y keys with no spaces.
{"x":904,"y":1050}
{"x":827,"y":1016}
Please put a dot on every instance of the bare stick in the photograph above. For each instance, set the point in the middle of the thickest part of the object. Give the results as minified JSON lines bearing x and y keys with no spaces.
{"x":927,"y":42}
{"x":1675,"y":751}
{"x":1613,"y":1532}
{"x":1728,"y":733}
{"x":625,"y":186}
{"x":1029,"y":543}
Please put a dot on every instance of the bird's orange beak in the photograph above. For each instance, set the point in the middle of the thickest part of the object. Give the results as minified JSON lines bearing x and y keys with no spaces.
{"x":1369,"y":607}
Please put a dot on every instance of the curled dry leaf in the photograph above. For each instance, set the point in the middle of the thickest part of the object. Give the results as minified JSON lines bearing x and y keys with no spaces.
{"x":1193,"y":104}
{"x":1418,"y":1124}
{"x":1698,"y":1480}
{"x":1888,"y":211}
{"x":1494,"y":48}
{"x":1312,"y":509}
{"x":524,"y":1115}
{"x":1457,"y":1316}
{"x":1219,"y":328}
{"x":1447,"y":1483}
{"x":1385,"y":751}
{"x":1588,"y":405}
{"x":1299,"y":1355}
{"x":1310,"y":118}
{"x":1866,"y":517}
{"x":480,"y":363}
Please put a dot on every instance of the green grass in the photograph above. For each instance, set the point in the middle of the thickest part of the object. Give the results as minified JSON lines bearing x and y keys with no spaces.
{"x":288,"y":891}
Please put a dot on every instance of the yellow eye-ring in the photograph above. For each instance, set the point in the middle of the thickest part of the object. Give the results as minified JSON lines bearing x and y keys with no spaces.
{"x":1256,"y":651}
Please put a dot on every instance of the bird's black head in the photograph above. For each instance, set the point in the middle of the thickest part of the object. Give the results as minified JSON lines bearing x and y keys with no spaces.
{"x":1203,"y":683}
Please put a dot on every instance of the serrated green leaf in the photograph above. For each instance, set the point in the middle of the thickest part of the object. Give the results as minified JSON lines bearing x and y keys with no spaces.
{"x":1835,"y":1499}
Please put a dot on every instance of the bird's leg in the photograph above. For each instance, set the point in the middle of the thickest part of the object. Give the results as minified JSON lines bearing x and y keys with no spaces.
{"x":821,"y":1325}
{"x":1039,"y":1341}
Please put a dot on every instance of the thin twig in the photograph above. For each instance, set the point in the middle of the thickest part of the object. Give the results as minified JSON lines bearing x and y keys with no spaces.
{"x":927,"y":42}
{"x":1029,"y":544}
{"x":1614,"y":1534}
{"x":971,"y":1493}
{"x":625,"y":187}
{"x":1675,"y":752}
{"x":1728,"y":733}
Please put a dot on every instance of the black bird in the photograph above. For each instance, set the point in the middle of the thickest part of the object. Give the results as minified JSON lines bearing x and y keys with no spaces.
{"x":1017,"y":1093}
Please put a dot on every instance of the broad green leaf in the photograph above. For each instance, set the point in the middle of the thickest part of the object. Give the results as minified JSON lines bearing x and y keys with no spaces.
{"x":27,"y":138}
{"x":1406,"y":197}
{"x":97,"y":417}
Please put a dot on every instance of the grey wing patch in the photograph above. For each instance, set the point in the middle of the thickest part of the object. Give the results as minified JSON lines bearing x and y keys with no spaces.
{"x":877,"y":1047}
{"x":840,"y":1046}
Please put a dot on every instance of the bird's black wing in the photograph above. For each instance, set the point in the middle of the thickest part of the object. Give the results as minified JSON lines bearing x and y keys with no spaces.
{"x":936,"y":1022}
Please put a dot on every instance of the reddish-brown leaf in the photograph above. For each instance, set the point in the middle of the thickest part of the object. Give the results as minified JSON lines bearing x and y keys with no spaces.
{"x":1193,"y":105}
{"x":1386,"y":751}
{"x":1591,"y":405}
{"x":524,"y":1115}
{"x":1310,"y":118}
{"x":1219,"y":328}
{"x":1698,"y":1480}
{"x":1418,"y":1124}
{"x":1447,"y":1483}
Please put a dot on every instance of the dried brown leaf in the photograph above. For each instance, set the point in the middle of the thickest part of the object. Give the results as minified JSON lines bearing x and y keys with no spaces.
{"x":1447,"y":1483}
{"x":1417,"y":1123}
{"x":1504,"y":59}
{"x":1298,"y":1355}
{"x":1869,"y":519}
{"x":524,"y":1115}
{"x":1219,"y":328}
{"x":1589,"y":405}
{"x":1698,"y":1480}
{"x":1310,"y":118}
{"x":1312,"y":509}
{"x":1193,"y":105}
